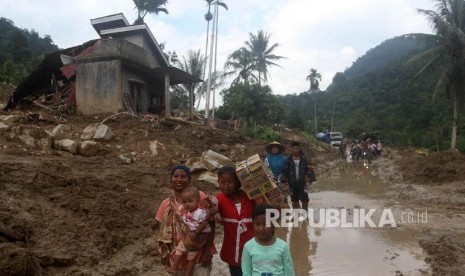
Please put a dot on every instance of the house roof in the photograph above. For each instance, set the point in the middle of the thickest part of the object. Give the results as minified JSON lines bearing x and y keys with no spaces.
{"x":177,"y":75}
{"x":109,"y":22}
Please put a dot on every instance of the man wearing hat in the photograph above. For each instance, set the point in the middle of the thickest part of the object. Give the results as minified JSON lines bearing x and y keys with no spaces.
{"x":275,"y":161}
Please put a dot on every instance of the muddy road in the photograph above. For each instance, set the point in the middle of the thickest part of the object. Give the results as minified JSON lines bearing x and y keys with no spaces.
{"x":65,"y":214}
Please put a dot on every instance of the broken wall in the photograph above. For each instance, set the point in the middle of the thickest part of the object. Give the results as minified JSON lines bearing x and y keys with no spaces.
{"x":98,"y":87}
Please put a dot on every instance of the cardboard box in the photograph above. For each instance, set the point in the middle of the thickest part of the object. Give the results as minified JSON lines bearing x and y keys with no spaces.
{"x":257,"y":180}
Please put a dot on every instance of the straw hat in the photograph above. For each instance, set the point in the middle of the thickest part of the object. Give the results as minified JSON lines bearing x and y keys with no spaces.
{"x":275,"y":144}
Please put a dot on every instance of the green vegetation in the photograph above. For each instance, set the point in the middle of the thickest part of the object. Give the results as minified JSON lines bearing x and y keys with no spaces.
{"x":20,"y":51}
{"x":149,"y":6}
{"x":381,"y":99}
{"x":448,"y":52}
{"x":251,"y":63}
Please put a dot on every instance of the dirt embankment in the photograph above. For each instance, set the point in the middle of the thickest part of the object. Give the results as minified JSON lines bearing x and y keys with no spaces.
{"x":436,"y":183}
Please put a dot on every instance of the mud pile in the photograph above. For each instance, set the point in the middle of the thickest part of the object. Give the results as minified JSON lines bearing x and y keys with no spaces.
{"x":433,"y":169}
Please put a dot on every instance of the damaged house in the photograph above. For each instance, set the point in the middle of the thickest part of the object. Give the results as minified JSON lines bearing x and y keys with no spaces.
{"x":124,"y":70}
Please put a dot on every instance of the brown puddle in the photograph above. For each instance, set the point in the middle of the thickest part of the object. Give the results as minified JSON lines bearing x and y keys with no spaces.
{"x":353,"y":251}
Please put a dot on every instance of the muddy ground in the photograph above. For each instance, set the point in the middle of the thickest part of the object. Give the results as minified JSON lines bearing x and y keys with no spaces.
{"x":65,"y":214}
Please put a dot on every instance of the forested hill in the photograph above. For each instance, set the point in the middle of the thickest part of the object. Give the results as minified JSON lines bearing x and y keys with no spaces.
{"x":20,"y":50}
{"x":373,"y":95}
{"x":383,"y":55}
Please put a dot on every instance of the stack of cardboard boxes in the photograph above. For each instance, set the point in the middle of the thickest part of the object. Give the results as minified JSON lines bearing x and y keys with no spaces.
{"x":257,"y":181}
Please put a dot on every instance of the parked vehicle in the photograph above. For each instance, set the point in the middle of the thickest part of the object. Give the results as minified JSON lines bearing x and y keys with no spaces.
{"x":335,"y":139}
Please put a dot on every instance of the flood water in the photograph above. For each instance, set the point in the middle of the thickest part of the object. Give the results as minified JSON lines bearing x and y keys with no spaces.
{"x":350,"y":250}
{"x":353,"y":251}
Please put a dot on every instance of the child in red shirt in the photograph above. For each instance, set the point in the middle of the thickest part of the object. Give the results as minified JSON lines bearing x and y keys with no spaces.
{"x":236,"y":211}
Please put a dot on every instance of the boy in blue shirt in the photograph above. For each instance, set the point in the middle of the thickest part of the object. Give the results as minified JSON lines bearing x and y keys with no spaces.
{"x":266,"y":255}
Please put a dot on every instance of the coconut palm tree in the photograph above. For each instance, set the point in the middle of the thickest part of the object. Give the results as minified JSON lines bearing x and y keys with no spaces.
{"x":314,"y":78}
{"x":193,"y":65}
{"x":448,"y":53}
{"x":149,"y":6}
{"x":241,"y":62}
{"x":213,"y":54}
{"x":258,"y":45}
{"x":208,"y":18}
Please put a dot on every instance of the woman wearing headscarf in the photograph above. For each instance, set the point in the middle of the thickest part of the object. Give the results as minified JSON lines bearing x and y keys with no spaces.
{"x":172,"y":228}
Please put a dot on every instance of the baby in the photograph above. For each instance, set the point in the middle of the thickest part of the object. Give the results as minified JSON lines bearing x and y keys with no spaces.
{"x":196,"y":221}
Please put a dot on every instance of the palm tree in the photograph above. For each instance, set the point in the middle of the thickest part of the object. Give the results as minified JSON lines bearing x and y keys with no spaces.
{"x":149,"y":6}
{"x":263,"y":55}
{"x":208,"y":18}
{"x":193,"y":65}
{"x":241,"y":62}
{"x":212,"y":47}
{"x":314,"y":78}
{"x":217,"y":12}
{"x":448,"y":23}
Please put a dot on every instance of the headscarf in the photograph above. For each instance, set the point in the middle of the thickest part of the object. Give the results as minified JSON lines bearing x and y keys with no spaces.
{"x":184,"y":168}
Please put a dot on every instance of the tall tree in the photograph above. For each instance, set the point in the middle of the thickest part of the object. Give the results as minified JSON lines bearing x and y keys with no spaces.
{"x":259,"y":45}
{"x":193,"y":64}
{"x":208,"y":18}
{"x":149,"y":6}
{"x":448,"y":23}
{"x":314,"y":78}
{"x":241,"y":62}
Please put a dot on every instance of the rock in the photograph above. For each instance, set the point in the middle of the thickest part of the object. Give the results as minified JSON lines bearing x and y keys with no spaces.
{"x":216,"y":159}
{"x":3,"y":126}
{"x":154,"y":146}
{"x":103,"y":132}
{"x":30,"y":135}
{"x":60,"y":129}
{"x":88,"y":148}
{"x":126,"y":160}
{"x":68,"y":145}
{"x":209,"y":177}
{"x":28,"y":140}
{"x":199,"y":164}
{"x":89,"y":132}
{"x":10,"y":119}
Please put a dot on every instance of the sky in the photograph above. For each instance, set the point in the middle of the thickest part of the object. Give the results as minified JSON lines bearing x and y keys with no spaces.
{"x":328,"y":35}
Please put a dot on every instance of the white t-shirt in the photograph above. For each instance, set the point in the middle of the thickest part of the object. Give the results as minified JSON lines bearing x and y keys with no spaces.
{"x":296,"y":162}
{"x":238,"y":207}
{"x":193,"y":219}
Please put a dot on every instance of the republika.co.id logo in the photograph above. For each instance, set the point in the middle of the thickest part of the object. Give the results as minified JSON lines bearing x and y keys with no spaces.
{"x":341,"y":218}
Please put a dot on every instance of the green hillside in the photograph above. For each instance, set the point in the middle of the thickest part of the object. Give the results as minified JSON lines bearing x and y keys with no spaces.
{"x":20,"y":51}
{"x":373,"y":96}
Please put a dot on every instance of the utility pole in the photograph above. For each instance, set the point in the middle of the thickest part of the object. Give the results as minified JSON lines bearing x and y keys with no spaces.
{"x":314,"y":102}
{"x":332,"y":117}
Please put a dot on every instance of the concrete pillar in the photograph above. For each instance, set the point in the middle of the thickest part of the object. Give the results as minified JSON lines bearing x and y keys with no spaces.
{"x":191,"y":101}
{"x":167,"y":96}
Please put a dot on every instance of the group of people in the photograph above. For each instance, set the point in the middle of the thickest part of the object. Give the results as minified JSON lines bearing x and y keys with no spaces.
{"x":366,"y":149}
{"x":187,"y":224}
{"x":292,"y":174}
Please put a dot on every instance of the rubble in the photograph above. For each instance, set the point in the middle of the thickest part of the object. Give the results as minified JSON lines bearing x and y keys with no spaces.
{"x":199,"y":164}
{"x":68,"y":145}
{"x":103,"y":132}
{"x":89,"y":132}
{"x":209,"y":177}
{"x":60,"y":129}
{"x":126,"y":160}
{"x":88,"y":148}
{"x":154,"y":146}
{"x":216,"y":159}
